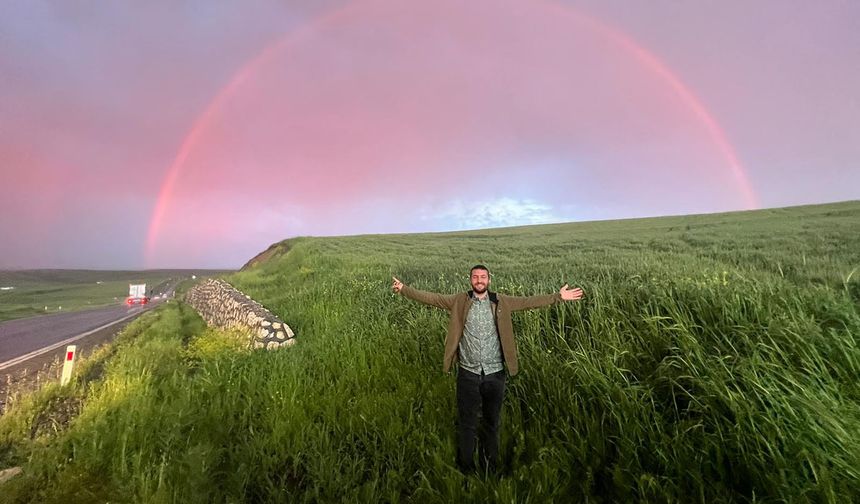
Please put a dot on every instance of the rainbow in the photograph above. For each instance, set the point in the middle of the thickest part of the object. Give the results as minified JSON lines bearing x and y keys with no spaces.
{"x":640,"y":54}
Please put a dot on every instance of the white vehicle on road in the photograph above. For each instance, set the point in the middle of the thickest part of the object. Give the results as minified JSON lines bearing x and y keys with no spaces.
{"x":136,"y":294}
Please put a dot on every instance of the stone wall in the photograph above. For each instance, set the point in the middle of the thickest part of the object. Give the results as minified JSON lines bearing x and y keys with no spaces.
{"x":221,"y":305}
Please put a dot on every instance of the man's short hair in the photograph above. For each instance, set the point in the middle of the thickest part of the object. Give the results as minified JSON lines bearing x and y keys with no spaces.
{"x":479,"y":267}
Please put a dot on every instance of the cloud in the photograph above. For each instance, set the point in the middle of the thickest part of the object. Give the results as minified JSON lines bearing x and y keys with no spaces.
{"x":499,"y":212}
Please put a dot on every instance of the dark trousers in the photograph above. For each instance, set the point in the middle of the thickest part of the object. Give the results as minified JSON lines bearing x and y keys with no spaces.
{"x":479,"y":394}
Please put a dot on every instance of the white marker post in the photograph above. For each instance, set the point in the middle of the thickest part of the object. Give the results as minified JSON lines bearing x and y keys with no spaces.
{"x":69,"y":364}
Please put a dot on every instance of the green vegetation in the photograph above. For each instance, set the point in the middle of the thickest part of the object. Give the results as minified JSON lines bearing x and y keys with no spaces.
{"x":34,"y":290}
{"x":714,"y":359}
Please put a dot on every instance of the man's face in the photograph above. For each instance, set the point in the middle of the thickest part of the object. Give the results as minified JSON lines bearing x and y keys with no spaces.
{"x":480,"y":281}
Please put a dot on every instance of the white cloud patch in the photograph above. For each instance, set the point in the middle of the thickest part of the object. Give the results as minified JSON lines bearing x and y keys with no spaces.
{"x":501,"y":212}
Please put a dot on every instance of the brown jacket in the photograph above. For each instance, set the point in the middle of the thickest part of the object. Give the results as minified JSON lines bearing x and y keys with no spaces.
{"x":459,"y":304}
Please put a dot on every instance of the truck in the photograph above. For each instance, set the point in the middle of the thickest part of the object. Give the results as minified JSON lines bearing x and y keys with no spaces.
{"x":136,"y":294}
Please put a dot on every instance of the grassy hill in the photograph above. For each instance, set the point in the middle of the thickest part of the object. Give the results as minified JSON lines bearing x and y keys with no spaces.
{"x":714,"y":359}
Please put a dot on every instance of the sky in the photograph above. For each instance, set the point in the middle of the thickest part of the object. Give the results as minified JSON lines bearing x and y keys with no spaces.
{"x":195,"y":134}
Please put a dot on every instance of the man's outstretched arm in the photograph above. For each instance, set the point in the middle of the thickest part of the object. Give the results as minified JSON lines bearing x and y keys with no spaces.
{"x":428,"y":298}
{"x":529,"y":302}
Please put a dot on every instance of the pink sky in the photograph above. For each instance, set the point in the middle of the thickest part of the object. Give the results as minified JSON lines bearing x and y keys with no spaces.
{"x":380,"y":116}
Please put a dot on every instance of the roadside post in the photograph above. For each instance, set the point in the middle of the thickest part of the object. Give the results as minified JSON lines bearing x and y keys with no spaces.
{"x":71,"y":353}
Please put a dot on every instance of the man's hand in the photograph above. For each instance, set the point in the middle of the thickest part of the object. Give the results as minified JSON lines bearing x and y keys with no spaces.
{"x":567,"y":293}
{"x":397,"y":285}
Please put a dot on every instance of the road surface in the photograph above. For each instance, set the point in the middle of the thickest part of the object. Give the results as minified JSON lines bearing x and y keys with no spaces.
{"x":28,"y":337}
{"x":32,"y":350}
{"x":24,"y":339}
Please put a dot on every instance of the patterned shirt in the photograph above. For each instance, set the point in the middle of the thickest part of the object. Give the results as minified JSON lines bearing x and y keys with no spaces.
{"x":480,"y":349}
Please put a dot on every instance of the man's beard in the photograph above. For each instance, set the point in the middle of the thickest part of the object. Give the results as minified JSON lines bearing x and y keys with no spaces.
{"x":479,"y":290}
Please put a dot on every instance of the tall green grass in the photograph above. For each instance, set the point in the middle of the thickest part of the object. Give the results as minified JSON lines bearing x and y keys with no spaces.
{"x":714,"y":359}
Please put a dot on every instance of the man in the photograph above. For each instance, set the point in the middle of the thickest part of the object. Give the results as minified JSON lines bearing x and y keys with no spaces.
{"x":480,"y":335}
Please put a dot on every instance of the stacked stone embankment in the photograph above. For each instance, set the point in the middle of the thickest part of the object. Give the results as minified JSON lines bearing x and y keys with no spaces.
{"x":222,"y":305}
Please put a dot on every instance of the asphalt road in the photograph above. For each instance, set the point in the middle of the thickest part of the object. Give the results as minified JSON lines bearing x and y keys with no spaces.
{"x":22,"y":337}
{"x":25,"y":339}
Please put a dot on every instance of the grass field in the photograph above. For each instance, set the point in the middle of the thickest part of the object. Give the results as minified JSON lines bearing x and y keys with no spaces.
{"x":714,"y":359}
{"x":37,"y":292}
